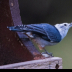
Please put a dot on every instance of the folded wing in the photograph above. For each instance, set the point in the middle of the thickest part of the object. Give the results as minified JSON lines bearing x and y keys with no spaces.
{"x":43,"y":30}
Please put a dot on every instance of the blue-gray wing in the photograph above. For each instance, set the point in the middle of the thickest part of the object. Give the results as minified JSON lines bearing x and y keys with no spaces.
{"x":36,"y":28}
{"x":49,"y":31}
{"x":52,"y":33}
{"x":44,"y":30}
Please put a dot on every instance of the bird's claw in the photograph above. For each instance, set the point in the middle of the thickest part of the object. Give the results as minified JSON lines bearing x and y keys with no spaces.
{"x":50,"y":54}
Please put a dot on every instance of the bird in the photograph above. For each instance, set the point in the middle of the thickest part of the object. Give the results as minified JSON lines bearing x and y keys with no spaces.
{"x":44,"y":34}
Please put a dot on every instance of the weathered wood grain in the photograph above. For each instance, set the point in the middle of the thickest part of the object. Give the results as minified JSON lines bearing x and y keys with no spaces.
{"x":48,"y":63}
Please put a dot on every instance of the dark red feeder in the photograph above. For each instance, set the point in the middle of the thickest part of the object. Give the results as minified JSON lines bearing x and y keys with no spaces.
{"x":16,"y":50}
{"x":13,"y":48}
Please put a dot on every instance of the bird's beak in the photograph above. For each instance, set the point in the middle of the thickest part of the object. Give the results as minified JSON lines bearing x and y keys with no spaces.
{"x":71,"y":24}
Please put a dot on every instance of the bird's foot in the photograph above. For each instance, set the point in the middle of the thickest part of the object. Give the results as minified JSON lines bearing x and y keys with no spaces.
{"x":49,"y":54}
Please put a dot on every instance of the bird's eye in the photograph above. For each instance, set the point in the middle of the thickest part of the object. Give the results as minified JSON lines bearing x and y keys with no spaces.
{"x":65,"y":24}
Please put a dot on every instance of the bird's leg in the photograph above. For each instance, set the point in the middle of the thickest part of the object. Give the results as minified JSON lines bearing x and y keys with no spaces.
{"x":48,"y":53}
{"x":41,"y":48}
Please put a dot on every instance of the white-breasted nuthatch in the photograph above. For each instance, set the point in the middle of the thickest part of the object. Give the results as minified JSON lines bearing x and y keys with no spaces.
{"x":44,"y":34}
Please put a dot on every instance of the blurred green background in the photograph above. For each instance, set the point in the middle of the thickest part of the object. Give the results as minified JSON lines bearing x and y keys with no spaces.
{"x":51,"y":11}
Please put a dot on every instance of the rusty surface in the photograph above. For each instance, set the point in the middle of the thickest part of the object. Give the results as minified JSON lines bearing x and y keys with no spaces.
{"x":15,"y":12}
{"x":12,"y":48}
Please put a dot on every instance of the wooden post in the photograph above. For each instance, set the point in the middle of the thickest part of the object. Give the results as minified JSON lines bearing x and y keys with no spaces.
{"x":48,"y":63}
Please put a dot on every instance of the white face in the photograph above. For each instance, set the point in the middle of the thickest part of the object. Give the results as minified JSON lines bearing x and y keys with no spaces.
{"x":64,"y":25}
{"x":63,"y":28}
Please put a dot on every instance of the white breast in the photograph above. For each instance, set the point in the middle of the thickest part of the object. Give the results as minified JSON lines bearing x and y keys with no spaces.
{"x":63,"y":32}
{"x":43,"y":42}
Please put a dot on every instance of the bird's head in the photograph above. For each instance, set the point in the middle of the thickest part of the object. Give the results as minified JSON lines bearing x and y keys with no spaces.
{"x":63,"y":28}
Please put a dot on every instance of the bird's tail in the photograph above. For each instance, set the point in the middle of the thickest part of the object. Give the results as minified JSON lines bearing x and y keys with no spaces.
{"x":34,"y":28}
{"x":20,"y":28}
